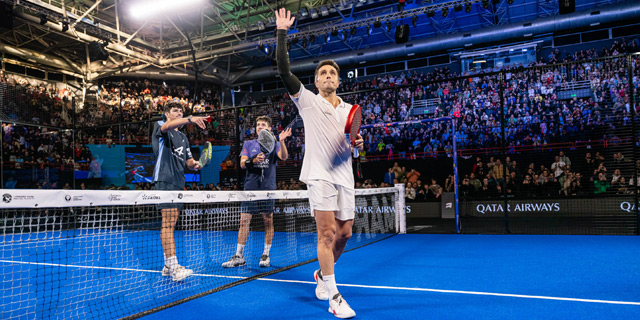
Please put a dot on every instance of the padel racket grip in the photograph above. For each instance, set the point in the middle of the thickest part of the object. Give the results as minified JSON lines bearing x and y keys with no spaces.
{"x":356,"y":153}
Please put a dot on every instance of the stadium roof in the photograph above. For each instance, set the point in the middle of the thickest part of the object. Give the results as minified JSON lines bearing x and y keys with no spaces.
{"x":229,"y":38}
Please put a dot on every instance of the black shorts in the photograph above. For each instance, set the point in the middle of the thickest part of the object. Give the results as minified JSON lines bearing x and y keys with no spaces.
{"x":166,"y":186}
{"x":258,"y":206}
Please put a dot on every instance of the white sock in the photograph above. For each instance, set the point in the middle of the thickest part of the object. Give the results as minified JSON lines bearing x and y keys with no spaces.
{"x":330,"y":283}
{"x":267,"y":248}
{"x":240,"y":250}
{"x":171,"y":262}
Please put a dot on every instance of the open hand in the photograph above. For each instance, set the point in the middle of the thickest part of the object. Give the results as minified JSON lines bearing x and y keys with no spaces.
{"x":284,"y":20}
{"x":285,"y":134}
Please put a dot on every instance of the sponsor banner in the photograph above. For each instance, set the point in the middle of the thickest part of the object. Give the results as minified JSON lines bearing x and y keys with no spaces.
{"x":15,"y":198}
{"x":375,"y":219}
{"x":299,"y":209}
{"x":206,"y":211}
{"x":447,"y":207}
{"x":26,"y":198}
{"x":576,"y":207}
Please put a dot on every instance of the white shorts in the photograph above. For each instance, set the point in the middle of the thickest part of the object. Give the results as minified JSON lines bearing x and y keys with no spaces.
{"x":326,"y":196}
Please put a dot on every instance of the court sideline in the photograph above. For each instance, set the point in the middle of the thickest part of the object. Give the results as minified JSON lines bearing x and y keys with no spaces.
{"x":451,"y":277}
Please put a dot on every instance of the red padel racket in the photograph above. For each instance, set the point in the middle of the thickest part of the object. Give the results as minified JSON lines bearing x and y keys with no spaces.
{"x":351,"y":130}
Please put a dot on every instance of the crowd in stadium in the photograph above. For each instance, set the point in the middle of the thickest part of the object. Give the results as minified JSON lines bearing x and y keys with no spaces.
{"x":595,"y":174}
{"x":25,"y":100}
{"x":28,"y":147}
{"x":536,"y":115}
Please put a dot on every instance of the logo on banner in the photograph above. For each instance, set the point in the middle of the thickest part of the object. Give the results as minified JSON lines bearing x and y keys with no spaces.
{"x":7,"y":198}
{"x":115,"y":197}
{"x":627,"y":207}
{"x":251,"y":195}
{"x":69,"y":197}
{"x":293,"y":210}
{"x":179,"y":195}
{"x":193,"y":212}
{"x":448,"y":205}
{"x":270,"y":194}
{"x":150,"y":197}
{"x":520,"y":207}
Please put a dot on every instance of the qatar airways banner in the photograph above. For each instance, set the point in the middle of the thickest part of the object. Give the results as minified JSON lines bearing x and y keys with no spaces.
{"x":576,"y":207}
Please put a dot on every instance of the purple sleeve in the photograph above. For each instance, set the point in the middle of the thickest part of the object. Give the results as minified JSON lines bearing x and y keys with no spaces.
{"x":245,"y":149}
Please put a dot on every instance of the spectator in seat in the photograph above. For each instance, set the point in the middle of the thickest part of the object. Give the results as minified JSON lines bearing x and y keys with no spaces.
{"x":389,"y":176}
{"x":435,"y":190}
{"x":95,"y":167}
{"x":498,"y":171}
{"x":413,"y":176}
{"x":565,"y":159}
{"x":601,"y":185}
{"x":474,"y":182}
{"x":410,"y":192}
{"x":466,"y":189}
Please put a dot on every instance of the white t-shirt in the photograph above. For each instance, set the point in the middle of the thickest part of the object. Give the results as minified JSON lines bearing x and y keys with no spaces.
{"x":327,"y":154}
{"x":558,"y":168}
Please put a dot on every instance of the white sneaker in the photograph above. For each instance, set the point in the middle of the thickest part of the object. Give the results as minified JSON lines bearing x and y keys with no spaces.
{"x":166,"y":272}
{"x":178,"y":274}
{"x":235,"y":261}
{"x":265,"y":261}
{"x":321,"y":290}
{"x":340,"y":308}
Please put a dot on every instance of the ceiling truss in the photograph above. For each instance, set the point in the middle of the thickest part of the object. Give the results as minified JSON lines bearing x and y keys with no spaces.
{"x":225,"y":34}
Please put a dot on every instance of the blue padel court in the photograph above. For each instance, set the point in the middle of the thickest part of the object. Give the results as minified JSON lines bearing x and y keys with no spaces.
{"x":108,"y":274}
{"x":403,"y":276}
{"x":452,"y":277}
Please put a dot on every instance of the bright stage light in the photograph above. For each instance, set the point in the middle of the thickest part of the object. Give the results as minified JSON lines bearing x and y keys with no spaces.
{"x":149,"y":8}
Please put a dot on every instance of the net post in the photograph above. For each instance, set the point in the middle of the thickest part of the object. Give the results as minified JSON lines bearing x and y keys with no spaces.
{"x":455,"y":173}
{"x":401,"y":217}
{"x":501,"y":85}
{"x":634,"y":135}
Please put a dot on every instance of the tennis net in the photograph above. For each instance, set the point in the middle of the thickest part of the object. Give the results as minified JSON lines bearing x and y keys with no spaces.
{"x":69,"y":254}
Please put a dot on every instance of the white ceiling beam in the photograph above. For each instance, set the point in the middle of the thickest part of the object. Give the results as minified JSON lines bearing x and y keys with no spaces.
{"x":93,"y":7}
{"x":101,"y":26}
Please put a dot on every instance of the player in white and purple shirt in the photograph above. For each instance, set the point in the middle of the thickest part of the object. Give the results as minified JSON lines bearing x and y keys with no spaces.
{"x":261,"y":175}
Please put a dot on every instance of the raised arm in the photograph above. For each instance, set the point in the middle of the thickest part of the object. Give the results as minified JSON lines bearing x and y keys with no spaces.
{"x":283,"y":153}
{"x":284,"y":20}
{"x":177,"y":123}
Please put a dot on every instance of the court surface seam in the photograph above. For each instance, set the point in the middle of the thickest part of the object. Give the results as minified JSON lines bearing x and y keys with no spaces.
{"x":480,"y":293}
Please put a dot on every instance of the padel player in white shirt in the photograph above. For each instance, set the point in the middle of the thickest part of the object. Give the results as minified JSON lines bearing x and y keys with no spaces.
{"x":326,"y":167}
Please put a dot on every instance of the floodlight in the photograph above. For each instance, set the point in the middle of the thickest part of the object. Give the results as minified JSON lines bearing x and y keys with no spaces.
{"x":149,"y":8}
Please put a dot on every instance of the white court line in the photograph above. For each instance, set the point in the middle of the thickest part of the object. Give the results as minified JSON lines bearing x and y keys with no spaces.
{"x":466,"y":292}
{"x":480,"y":293}
{"x":111,"y":268}
{"x":31,"y":241}
{"x":39,"y":241}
